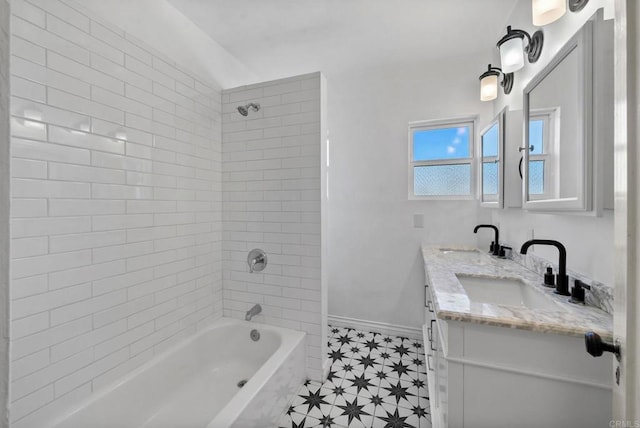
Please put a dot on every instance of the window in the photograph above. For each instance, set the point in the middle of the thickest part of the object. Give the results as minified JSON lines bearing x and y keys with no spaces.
{"x":441,"y":159}
{"x":542,"y":145}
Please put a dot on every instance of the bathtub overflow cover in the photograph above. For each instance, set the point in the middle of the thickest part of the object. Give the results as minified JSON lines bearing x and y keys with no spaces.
{"x":242,"y":383}
{"x":255,"y":335}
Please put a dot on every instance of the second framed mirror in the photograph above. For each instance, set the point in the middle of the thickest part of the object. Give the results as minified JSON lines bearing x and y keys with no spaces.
{"x":558,"y":105}
{"x":492,"y":162}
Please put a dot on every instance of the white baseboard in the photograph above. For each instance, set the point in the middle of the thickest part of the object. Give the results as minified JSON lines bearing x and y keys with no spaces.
{"x":376,"y":327}
{"x":325,"y":369}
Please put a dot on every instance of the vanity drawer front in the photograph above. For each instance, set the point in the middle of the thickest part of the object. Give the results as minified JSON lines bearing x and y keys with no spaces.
{"x":429,"y":311}
{"x":430,"y":343}
{"x":431,"y":374}
{"x":441,"y":380}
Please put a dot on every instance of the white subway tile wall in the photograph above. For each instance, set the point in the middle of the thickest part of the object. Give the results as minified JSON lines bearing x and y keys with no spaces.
{"x":116,"y":215}
{"x":271,"y":200}
{"x":4,"y":202}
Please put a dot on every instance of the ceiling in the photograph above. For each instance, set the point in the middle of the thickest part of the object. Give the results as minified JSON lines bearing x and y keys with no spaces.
{"x":274,"y":38}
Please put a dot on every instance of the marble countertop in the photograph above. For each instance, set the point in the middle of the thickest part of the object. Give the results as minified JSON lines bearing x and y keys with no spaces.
{"x":452,"y":303}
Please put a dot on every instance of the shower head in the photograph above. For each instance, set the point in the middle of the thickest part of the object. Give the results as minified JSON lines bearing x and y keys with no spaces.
{"x":244,"y":110}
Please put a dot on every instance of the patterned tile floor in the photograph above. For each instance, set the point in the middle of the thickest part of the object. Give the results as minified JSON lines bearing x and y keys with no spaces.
{"x":375,"y":381}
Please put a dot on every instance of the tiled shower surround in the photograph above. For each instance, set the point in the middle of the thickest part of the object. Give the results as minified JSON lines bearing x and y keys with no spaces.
{"x":116,"y":211}
{"x":117,"y":206}
{"x":4,"y":204}
{"x":272,"y":200}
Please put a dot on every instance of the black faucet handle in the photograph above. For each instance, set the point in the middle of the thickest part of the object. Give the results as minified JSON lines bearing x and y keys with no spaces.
{"x":503,"y":253}
{"x":577,"y":292}
{"x":578,"y":283}
{"x":549,"y":278}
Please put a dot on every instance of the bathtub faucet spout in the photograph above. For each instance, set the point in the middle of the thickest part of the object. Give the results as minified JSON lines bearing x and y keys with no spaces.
{"x":255,"y":310}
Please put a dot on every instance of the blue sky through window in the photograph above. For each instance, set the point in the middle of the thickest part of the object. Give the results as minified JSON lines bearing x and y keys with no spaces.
{"x":490,"y":142}
{"x":536,"y":136}
{"x":443,"y":143}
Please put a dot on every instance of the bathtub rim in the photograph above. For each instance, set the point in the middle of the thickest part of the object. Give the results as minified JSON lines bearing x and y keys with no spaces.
{"x":228,"y":414}
{"x":290,"y":339}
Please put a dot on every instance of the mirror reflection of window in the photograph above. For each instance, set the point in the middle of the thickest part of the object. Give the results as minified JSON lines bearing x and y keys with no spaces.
{"x":490,"y":159}
{"x":567,"y":111}
{"x":536,"y":157}
{"x":554,"y":164}
{"x":542,"y":144}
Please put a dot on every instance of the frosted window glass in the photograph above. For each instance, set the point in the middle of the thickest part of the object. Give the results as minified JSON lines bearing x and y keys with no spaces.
{"x":441,"y":143}
{"x":536,"y":177}
{"x":490,"y":178}
{"x":439,"y":180}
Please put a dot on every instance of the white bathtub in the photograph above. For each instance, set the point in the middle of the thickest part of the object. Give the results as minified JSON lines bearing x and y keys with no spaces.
{"x":194,"y":385}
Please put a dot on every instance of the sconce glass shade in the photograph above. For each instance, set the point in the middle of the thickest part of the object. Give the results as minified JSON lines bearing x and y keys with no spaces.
{"x":512,"y":49}
{"x":489,"y":83}
{"x":489,"y":87}
{"x":547,"y":11}
{"x":512,"y":55}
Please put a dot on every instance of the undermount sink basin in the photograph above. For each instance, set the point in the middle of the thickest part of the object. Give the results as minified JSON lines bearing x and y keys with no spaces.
{"x":504,"y":291}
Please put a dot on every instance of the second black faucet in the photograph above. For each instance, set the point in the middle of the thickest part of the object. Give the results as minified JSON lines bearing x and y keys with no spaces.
{"x":562,"y":282}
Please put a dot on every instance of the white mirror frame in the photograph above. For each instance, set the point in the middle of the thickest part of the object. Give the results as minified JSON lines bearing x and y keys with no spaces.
{"x":583,"y":43}
{"x":500,"y":120}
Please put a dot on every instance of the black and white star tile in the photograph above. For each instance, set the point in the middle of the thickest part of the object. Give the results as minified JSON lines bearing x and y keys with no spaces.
{"x":375,"y":381}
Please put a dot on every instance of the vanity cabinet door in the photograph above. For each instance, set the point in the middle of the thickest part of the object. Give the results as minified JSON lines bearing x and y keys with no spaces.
{"x":428,"y":303}
{"x":436,"y":364}
{"x":441,"y":379}
{"x":430,"y":347}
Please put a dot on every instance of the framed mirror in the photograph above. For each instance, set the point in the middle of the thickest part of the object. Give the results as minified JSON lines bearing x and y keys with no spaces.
{"x":558,"y":127}
{"x":491,"y":163}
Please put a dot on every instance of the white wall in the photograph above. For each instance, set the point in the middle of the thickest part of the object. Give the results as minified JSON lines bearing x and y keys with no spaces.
{"x":116,"y":206}
{"x":4,"y":211}
{"x":272,"y":200}
{"x":162,"y":26}
{"x":375,"y":266}
{"x":589,"y":239}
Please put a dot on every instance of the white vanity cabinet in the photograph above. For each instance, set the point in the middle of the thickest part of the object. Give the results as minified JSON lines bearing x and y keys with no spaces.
{"x":486,"y":376}
{"x":437,"y":364}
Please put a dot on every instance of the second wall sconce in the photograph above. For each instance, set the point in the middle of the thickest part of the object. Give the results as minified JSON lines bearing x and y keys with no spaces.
{"x":545,"y":12}
{"x":489,"y":83}
{"x":512,"y":49}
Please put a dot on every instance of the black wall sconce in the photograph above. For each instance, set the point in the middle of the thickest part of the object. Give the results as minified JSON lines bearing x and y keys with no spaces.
{"x":512,"y":49}
{"x":577,"y":5}
{"x":545,"y":12}
{"x":489,"y":83}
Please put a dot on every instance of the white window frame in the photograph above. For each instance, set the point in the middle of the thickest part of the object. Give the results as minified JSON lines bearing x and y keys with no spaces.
{"x":456,"y":122}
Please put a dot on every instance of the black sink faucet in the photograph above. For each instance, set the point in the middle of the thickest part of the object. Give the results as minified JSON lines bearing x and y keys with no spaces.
{"x":562,"y":280}
{"x":496,"y":242}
